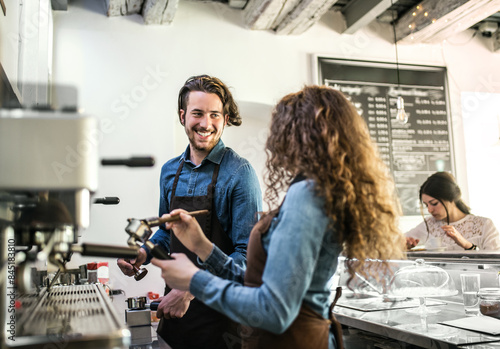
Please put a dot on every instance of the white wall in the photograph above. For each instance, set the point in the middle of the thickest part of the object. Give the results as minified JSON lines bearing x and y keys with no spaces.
{"x":9,"y":42}
{"x":115,"y":61}
{"x":481,"y":120}
{"x":26,"y":49}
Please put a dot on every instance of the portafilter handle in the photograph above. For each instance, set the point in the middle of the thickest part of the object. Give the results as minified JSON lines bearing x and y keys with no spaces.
{"x":135,"y":161}
{"x":154,"y":305}
{"x":107,"y":200}
{"x":105,"y":251}
{"x":156,"y":221}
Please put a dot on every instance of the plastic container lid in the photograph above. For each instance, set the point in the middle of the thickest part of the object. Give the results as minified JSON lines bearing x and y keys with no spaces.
{"x":490,"y":293}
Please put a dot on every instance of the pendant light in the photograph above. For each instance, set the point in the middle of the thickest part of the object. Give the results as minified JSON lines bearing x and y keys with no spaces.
{"x":401,"y":115}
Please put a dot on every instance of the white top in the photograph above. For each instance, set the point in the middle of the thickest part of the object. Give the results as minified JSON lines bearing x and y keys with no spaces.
{"x":478,"y":230}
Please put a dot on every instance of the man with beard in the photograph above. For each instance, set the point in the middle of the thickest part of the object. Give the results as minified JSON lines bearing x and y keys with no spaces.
{"x":208,"y":176}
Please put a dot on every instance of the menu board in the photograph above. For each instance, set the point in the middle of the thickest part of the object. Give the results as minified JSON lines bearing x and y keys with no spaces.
{"x":413,"y":150}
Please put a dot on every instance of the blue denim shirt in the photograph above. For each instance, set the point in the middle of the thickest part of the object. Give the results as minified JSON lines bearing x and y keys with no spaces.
{"x":238,"y":197}
{"x":302,"y":254}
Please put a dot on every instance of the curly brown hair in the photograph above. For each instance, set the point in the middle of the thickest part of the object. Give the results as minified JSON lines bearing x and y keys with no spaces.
{"x":317,"y":133}
{"x":210,"y":84}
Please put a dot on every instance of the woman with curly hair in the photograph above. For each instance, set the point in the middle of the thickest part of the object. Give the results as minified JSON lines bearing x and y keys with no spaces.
{"x":452,"y":226}
{"x":339,"y":197}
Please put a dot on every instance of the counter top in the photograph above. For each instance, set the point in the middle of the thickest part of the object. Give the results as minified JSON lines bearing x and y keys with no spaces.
{"x":456,"y":256}
{"x":406,"y":325}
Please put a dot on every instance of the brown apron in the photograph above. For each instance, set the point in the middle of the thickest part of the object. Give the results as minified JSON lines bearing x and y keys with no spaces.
{"x":201,"y":326}
{"x":308,"y":330}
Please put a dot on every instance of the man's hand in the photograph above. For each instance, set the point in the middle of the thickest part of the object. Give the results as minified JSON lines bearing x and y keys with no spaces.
{"x":177,"y":272}
{"x":174,"y":305}
{"x":189,"y":232}
{"x":126,"y":266}
{"x":411,"y":242}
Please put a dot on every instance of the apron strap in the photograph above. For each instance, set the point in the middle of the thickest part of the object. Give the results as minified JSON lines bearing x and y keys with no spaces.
{"x":338,"y":294}
{"x":174,"y":186}
{"x":336,"y":327}
{"x":211,"y":197}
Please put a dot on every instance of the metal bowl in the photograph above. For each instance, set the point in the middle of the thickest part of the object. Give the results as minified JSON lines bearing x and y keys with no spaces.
{"x":136,"y":302}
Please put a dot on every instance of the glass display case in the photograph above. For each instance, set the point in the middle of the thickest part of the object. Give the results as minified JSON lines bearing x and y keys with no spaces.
{"x":388,"y":306}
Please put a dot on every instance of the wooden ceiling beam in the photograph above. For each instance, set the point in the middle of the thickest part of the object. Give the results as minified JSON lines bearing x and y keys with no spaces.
{"x":359,"y":13}
{"x":153,"y":11}
{"x":285,"y":16}
{"x":261,"y":14}
{"x":435,"y":20}
{"x":303,"y":16}
{"x":159,"y":11}
{"x":123,"y":7}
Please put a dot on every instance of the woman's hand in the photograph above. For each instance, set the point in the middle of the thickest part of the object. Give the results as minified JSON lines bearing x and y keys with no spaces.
{"x":411,"y":242}
{"x":189,"y":232}
{"x":174,"y":304}
{"x":456,"y":236}
{"x":176,"y":272}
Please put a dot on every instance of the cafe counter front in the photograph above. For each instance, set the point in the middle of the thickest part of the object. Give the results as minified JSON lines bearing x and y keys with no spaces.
{"x":376,"y":312}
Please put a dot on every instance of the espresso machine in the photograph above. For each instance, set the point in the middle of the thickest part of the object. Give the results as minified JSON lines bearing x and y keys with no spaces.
{"x":48,"y":175}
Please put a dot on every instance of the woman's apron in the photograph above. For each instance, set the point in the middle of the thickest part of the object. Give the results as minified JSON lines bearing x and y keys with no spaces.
{"x":308,"y":330}
{"x":201,"y":326}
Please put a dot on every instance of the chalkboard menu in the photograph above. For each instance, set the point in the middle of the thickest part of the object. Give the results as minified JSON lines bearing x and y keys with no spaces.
{"x":415,"y":150}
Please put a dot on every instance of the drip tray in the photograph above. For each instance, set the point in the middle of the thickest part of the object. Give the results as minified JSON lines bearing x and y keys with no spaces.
{"x":76,"y":316}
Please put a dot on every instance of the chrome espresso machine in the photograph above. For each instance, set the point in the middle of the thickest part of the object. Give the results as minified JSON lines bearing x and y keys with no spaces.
{"x":48,"y":174}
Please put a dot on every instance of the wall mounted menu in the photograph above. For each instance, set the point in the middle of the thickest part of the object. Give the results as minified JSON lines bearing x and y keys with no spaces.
{"x":415,"y":150}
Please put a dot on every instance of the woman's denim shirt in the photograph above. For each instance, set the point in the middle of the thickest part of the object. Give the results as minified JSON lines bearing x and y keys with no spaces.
{"x":302,"y":252}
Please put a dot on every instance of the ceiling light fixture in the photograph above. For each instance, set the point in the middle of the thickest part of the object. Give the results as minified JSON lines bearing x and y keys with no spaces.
{"x":401,"y":115}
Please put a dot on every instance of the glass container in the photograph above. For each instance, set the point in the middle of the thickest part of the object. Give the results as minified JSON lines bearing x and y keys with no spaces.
{"x":489,"y":301}
{"x":422,"y":281}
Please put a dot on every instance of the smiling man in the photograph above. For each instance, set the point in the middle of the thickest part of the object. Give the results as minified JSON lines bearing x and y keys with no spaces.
{"x":204,"y":120}
{"x":211,"y":176}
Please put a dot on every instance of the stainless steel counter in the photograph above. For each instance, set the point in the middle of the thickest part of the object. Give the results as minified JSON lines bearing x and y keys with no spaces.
{"x":459,"y":256}
{"x":145,"y":337}
{"x":423,"y":331}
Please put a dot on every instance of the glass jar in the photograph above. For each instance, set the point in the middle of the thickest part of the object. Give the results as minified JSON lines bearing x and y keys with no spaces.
{"x":489,"y":301}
